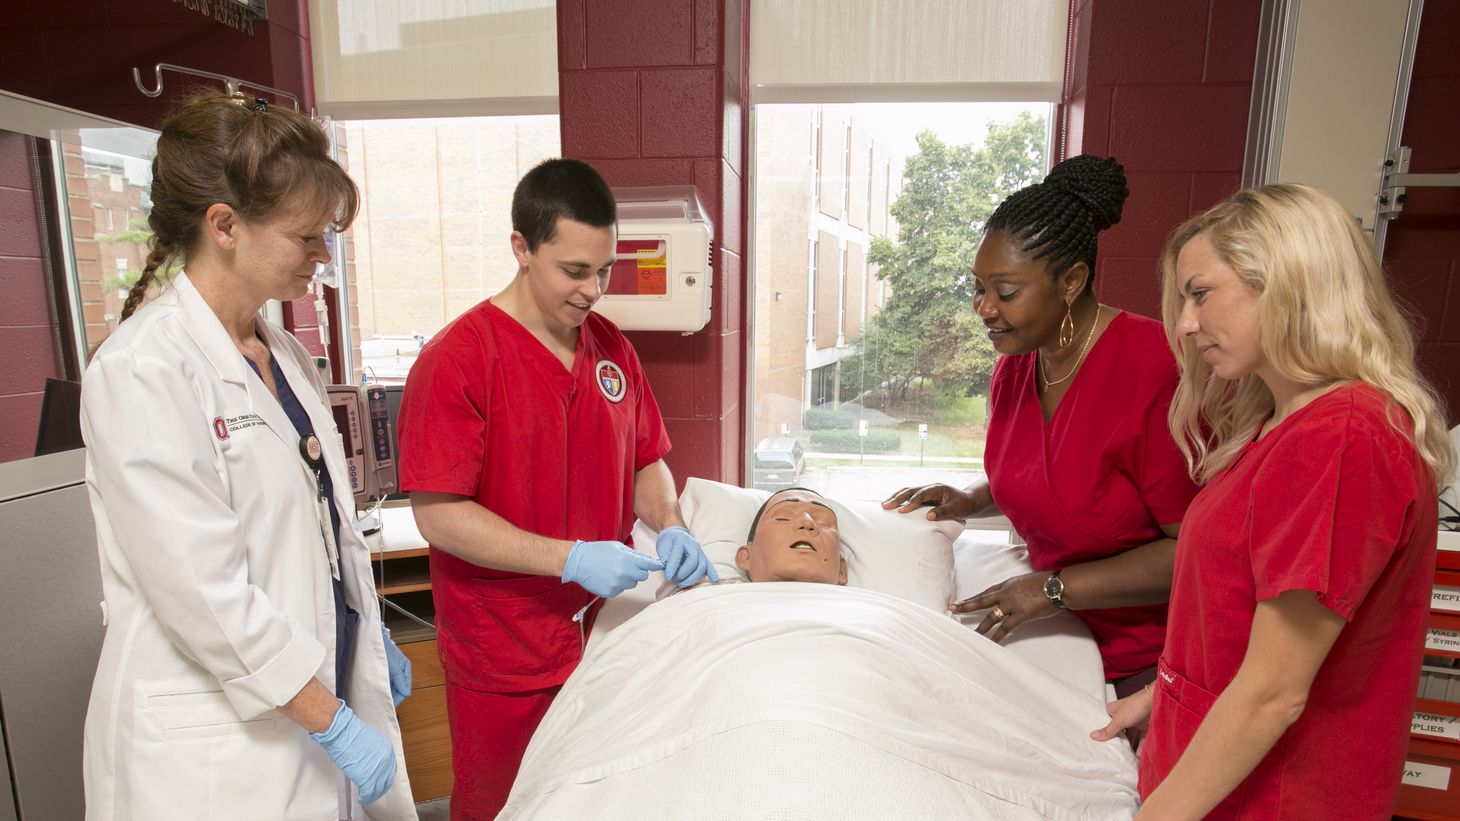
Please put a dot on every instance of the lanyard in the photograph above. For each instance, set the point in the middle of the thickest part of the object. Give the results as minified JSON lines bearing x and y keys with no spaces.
{"x":313,"y":454}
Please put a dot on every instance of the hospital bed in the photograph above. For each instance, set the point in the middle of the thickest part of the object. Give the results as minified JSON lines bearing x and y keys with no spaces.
{"x":813,"y":701}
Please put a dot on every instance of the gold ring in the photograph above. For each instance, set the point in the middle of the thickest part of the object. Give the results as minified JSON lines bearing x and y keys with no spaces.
{"x":997,"y":614}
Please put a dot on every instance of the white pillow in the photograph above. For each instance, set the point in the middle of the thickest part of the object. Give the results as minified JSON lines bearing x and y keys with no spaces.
{"x":901,"y":555}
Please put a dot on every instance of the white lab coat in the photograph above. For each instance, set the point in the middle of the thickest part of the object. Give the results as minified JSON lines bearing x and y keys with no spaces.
{"x":218,"y":600}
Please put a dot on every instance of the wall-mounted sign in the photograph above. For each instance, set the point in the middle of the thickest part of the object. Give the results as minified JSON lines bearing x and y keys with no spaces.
{"x":238,"y":15}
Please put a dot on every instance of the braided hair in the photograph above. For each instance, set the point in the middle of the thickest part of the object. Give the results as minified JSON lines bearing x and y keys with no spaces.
{"x":1059,"y":219}
{"x":258,"y":159}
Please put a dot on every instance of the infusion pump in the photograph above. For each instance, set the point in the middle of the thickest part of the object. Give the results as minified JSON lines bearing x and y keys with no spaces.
{"x":363,"y":419}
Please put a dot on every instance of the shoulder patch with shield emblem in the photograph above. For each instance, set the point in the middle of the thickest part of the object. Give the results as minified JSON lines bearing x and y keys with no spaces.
{"x":611,"y":381}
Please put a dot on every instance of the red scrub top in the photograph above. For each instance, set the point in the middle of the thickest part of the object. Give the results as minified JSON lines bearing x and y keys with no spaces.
{"x":1101,"y":477}
{"x":1332,"y":500}
{"x":491,"y":414}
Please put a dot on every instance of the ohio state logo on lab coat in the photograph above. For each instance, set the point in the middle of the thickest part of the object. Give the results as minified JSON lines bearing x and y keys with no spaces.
{"x":611,"y":380}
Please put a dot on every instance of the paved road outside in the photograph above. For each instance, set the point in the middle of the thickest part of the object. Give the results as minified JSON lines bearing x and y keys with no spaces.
{"x":869,"y":481}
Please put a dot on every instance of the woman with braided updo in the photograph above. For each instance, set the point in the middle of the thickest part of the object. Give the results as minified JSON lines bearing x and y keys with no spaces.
{"x":1079,"y":456}
{"x":244,"y":672}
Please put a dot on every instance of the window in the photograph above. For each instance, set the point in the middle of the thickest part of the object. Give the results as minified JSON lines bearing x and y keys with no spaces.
{"x":68,"y":258}
{"x":433,"y":235}
{"x":872,"y":336}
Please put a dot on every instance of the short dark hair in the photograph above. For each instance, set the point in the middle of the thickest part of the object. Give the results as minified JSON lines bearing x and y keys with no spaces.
{"x":560,"y":188}
{"x":1058,"y":220}
{"x":750,"y":537}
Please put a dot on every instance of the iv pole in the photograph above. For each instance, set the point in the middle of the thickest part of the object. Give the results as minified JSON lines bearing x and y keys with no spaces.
{"x":231,"y":84}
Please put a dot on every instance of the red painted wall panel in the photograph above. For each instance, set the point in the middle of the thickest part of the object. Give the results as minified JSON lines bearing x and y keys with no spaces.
{"x":680,"y":112}
{"x":1422,"y":250}
{"x":1164,"y":87}
{"x":27,"y":352}
{"x":651,"y":93}
{"x":644,"y":33}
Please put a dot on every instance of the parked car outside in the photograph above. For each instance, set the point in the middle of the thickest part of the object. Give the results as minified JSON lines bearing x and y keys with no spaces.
{"x":778,"y":464}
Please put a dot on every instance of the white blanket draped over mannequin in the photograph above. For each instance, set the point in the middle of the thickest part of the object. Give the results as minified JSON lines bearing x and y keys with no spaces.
{"x":808,"y":701}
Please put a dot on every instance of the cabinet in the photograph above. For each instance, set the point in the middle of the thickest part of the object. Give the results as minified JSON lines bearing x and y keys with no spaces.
{"x":403,"y":576}
{"x":1431,"y":786}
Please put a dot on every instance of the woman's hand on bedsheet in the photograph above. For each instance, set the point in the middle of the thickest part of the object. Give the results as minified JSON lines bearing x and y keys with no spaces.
{"x":685,"y":562}
{"x":1132,"y":711}
{"x":1010,"y":603}
{"x":948,"y":502}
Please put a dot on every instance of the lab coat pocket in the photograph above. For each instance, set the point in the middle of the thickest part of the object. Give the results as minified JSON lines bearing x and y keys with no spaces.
{"x":198,"y":714}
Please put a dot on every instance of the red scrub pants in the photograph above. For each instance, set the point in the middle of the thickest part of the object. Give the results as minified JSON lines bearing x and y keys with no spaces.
{"x":489,"y":734}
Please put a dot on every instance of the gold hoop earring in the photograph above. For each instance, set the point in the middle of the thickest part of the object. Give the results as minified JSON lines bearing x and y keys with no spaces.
{"x":1067,"y":326}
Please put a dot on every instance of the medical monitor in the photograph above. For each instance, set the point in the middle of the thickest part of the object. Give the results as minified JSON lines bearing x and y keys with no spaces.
{"x":393,"y":395}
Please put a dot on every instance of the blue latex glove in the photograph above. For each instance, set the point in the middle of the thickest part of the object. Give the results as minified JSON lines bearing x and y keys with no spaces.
{"x":607,"y":568}
{"x":364,"y":755}
{"x":684,"y":560}
{"x":399,"y":667}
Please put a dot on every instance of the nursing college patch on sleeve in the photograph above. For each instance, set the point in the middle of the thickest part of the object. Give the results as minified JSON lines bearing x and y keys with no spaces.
{"x":611,"y":380}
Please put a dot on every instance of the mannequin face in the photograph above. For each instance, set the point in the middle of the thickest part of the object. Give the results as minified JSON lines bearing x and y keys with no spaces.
{"x":795,"y":539}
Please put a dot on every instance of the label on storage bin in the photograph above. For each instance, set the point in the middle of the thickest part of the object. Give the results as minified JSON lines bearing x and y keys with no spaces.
{"x":1447,"y":727}
{"x":1445,"y":641}
{"x":1445,"y":598}
{"x":1429,"y":776}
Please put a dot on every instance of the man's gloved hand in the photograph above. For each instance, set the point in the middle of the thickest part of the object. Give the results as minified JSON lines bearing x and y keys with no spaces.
{"x":364,"y":755}
{"x":399,"y":667}
{"x":607,"y":568}
{"x":685,"y":561}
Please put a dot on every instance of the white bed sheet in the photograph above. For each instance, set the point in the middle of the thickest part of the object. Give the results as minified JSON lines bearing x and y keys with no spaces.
{"x":1061,"y":645}
{"x":811,"y":701}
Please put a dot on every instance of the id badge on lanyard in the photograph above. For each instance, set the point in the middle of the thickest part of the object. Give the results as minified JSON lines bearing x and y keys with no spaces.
{"x":313,"y":454}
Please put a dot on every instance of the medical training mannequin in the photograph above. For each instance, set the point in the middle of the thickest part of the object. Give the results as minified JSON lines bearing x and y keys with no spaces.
{"x":793,"y":538}
{"x":530,"y":441}
{"x":1303,"y":572}
{"x":244,"y":665}
{"x":1078,"y":455}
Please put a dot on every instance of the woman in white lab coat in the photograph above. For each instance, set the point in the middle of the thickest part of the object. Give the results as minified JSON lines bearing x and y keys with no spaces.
{"x":238,"y":595}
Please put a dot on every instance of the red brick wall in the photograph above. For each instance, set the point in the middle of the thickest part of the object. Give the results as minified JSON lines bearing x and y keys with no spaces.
{"x":25,"y":319}
{"x":1422,"y":251}
{"x":1163,"y":86}
{"x":652,"y":92}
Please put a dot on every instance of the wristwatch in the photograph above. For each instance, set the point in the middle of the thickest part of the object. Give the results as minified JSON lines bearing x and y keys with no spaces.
{"x":1054,"y":590}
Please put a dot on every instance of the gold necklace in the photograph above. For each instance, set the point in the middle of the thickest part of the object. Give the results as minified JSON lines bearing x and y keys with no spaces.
{"x":1089,"y":337}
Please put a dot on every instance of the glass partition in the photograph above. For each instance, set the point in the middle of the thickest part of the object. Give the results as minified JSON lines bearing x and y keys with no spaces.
{"x":74,"y":197}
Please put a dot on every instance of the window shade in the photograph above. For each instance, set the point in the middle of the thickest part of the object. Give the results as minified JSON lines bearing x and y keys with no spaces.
{"x":804,"y":51}
{"x":434,"y":58}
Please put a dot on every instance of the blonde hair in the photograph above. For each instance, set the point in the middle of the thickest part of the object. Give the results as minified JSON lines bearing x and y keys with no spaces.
{"x":1325,"y":316}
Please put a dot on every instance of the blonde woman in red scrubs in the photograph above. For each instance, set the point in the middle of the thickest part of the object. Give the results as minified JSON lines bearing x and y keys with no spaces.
{"x":1079,"y":456}
{"x":1304,"y":566}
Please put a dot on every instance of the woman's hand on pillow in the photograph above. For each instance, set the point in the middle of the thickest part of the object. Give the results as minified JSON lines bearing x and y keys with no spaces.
{"x":685,"y":562}
{"x":1010,"y":603}
{"x":948,"y":502}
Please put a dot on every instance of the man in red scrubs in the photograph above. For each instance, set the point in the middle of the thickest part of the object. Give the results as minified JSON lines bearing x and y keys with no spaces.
{"x":529,"y":442}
